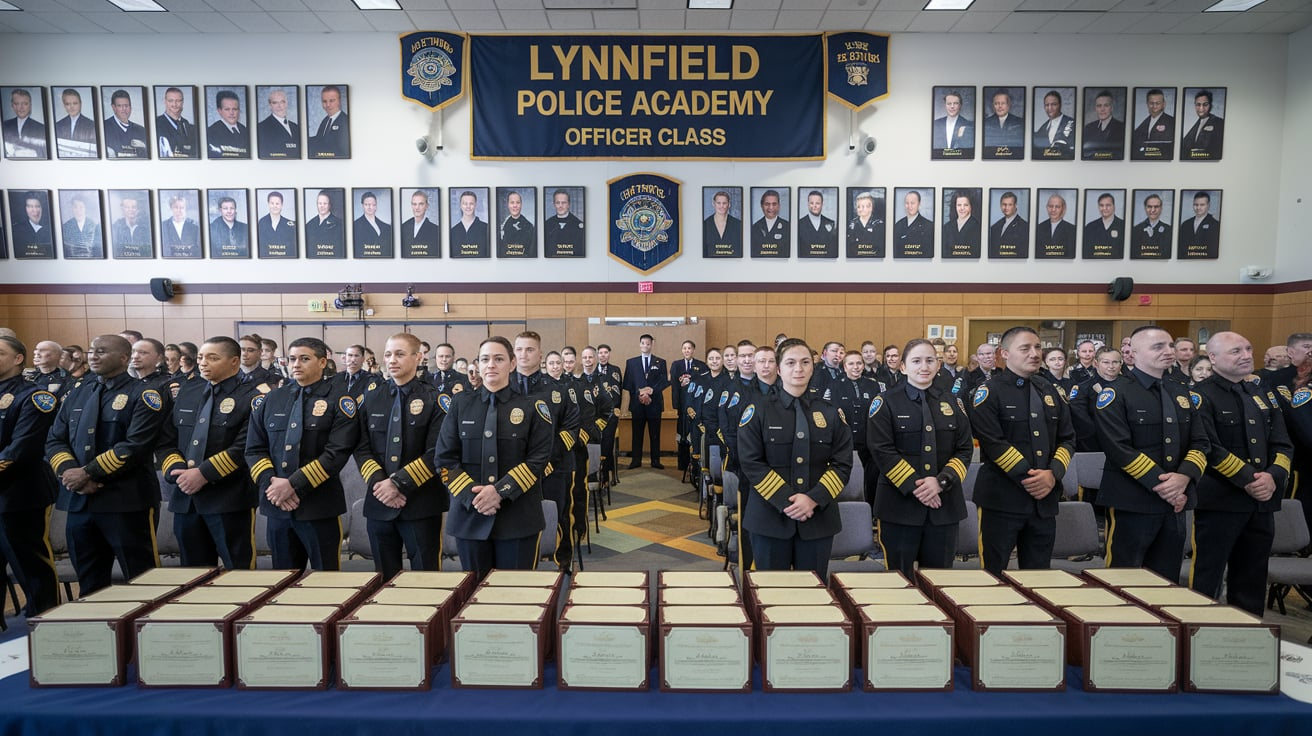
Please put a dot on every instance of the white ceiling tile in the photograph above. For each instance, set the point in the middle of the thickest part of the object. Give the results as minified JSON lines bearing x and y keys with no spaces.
{"x":1198,"y":23}
{"x":752,"y":20}
{"x":388,"y":20}
{"x":211,"y":22}
{"x":558,"y":20}
{"x":890,"y":21}
{"x":708,"y":20}
{"x":518,"y":4}
{"x":82,"y":6}
{"x":807,"y":5}
{"x":1068,"y":22}
{"x":282,"y":6}
{"x":661,"y":20}
{"x":1044,"y":5}
{"x":166,"y":23}
{"x":935,"y":21}
{"x":1281,"y":6}
{"x":916,"y":5}
{"x":1289,"y":23}
{"x":1023,"y":22}
{"x":433,"y":20}
{"x":1241,"y":22}
{"x":260,"y":22}
{"x":756,"y":5}
{"x":797,"y":20}
{"x":996,"y":5}
{"x":467,"y":4}
{"x":1114,"y":22}
{"x":411,"y":5}
{"x":183,"y":6}
{"x":1182,"y":6}
{"x":303,"y":22}
{"x":331,"y":5}
{"x":236,"y":6}
{"x":74,"y":23}
{"x":1155,"y":23}
{"x":349,"y":21}
{"x":1094,"y":5}
{"x":841,"y":20}
{"x":38,"y":6}
{"x":616,"y":20}
{"x":117,"y":22}
{"x":645,"y":5}
{"x":533,"y":21}
{"x":980,"y":22}
{"x":479,"y":20}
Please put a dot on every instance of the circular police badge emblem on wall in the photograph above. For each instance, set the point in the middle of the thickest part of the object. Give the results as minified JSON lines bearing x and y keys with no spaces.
{"x":431,"y":70}
{"x":644,"y":222}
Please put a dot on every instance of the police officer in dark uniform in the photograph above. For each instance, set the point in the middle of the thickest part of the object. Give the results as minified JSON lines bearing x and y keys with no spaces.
{"x":300,"y":438}
{"x":1026,"y":441}
{"x":740,"y":392}
{"x":353,"y":380}
{"x":830,"y":367}
{"x":209,"y":485}
{"x":682,"y":373}
{"x":921,"y":434}
{"x":493,"y":447}
{"x":250,"y":370}
{"x":585,"y":396}
{"x":608,"y":441}
{"x":796,"y":458}
{"x":147,"y":362}
{"x":100,"y":448}
{"x":1107,"y":371}
{"x":557,"y":390}
{"x":444,"y":376}
{"x":27,"y":486}
{"x":1156,"y":449}
{"x":605,"y":396}
{"x":702,"y":396}
{"x":404,"y":502}
{"x":853,"y":393}
{"x":46,"y":373}
{"x":1247,"y":469}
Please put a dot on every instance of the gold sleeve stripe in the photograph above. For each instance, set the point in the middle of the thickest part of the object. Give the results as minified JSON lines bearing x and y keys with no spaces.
{"x":315,"y":473}
{"x":523,"y":476}
{"x":259,"y":468}
{"x":418,"y":472}
{"x":601,"y":425}
{"x":901,"y":472}
{"x":1063,"y":456}
{"x":583,"y":436}
{"x":370,"y":467}
{"x":548,"y":470}
{"x":109,"y":462}
{"x":770,"y":485}
{"x":460,"y":483}
{"x":1139,"y":466}
{"x":1282,"y":461}
{"x":568,"y":439}
{"x":832,"y":483}
{"x":1197,"y":458}
{"x":59,"y":458}
{"x":223,"y":464}
{"x":170,"y":461}
{"x":1010,"y":459}
{"x":1229,"y":465}
{"x":958,"y":467}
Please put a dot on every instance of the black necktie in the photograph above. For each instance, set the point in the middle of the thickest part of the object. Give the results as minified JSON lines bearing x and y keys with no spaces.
{"x":523,"y":384}
{"x":295,"y":420}
{"x":928,"y":451}
{"x":393,"y":460}
{"x":801,"y":449}
{"x":489,"y":454}
{"x":646,"y":364}
{"x":323,"y":127}
{"x":200,"y":436}
{"x":90,"y":421}
{"x":1039,"y":429}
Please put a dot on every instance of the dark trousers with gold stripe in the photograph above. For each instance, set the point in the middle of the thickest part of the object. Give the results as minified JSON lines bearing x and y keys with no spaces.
{"x":317,"y":542}
{"x":481,"y":556}
{"x":25,"y":543}
{"x":1154,"y":541}
{"x":794,"y":553}
{"x":906,"y":544}
{"x":1236,"y":545}
{"x":97,"y":538}
{"x":420,"y":539}
{"x":1031,"y":536}
{"x":205,"y":539}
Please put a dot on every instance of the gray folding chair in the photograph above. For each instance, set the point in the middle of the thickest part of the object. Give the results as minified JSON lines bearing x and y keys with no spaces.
{"x":1077,"y":547}
{"x":972,"y":474}
{"x":968,"y":539}
{"x":359,"y":554}
{"x":854,"y":539}
{"x":1088,"y":468}
{"x":855,"y":488}
{"x":1285,"y":569}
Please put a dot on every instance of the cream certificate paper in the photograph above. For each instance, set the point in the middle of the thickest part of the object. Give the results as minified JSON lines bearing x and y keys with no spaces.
{"x":1232,"y":658}
{"x":1026,"y":657}
{"x":74,"y":653}
{"x":279,"y":655}
{"x":609,"y":657}
{"x":496,"y":654}
{"x":707,"y":658}
{"x":180,"y":653}
{"x":374,"y":655}
{"x":907,"y":657}
{"x":1132,"y":658}
{"x":808,"y":657}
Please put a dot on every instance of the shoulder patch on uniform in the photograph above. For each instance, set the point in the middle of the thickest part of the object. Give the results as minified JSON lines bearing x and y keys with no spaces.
{"x":457,"y":388}
{"x":1075,"y":391}
{"x":44,"y":401}
{"x":699,"y":391}
{"x":174,"y":388}
{"x":734,"y":401}
{"x":444,"y":401}
{"x":956,"y":386}
{"x":1284,"y":391}
{"x":875,"y":406}
{"x":151,"y":398}
{"x":256,"y":401}
{"x":588,"y":396}
{"x":748,"y":413}
{"x":1195,"y":399}
{"x":826,"y":396}
{"x":981,"y":394}
{"x":1301,"y":397}
{"x":724,"y":398}
{"x":543,"y":411}
{"x":1105,"y":397}
{"x":347,"y":405}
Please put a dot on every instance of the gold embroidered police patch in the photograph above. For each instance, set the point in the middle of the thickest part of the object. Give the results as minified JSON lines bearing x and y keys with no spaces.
{"x":227,"y":405}
{"x":120,"y":402}
{"x":1182,"y":401}
{"x":320,"y":408}
{"x":517,"y":416}
{"x":945,"y":409}
{"x":1047,"y":399}
{"x":819,"y":420}
{"x":416,"y":406}
{"x":6,"y":401}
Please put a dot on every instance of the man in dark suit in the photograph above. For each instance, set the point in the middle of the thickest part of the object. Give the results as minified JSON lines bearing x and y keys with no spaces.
{"x":1009,"y":237}
{"x":645,"y":379}
{"x":469,"y":234}
{"x":1152,"y":237}
{"x":1154,"y":136}
{"x":682,"y":372}
{"x":1104,"y":137}
{"x":226,"y":231}
{"x":1205,"y":139}
{"x":333,"y":140}
{"x":1002,"y":129}
{"x":24,"y":135}
{"x":817,"y":235}
{"x":277,"y":234}
{"x":178,"y":137}
{"x":419,"y":235}
{"x":34,"y":229}
{"x":75,"y":133}
{"x":770,"y":234}
{"x":1055,"y":136}
{"x":124,"y":138}
{"x":179,"y":235}
{"x":1055,"y":237}
{"x":562,"y":233}
{"x":82,"y":235}
{"x":131,"y":230}
{"x":228,"y":137}
{"x":952,"y":131}
{"x":279,"y":136}
{"x":372,"y":235}
{"x":1104,"y":236}
{"x":913,"y":235}
{"x":1201,"y":234}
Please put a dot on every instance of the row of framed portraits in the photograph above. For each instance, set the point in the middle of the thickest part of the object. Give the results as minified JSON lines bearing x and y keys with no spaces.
{"x":1055,"y":129}
{"x":1149,"y":224}
{"x":958,"y":226}
{"x":115,"y":121}
{"x":179,"y":223}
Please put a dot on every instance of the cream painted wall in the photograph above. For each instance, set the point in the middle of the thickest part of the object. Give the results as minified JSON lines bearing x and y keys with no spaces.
{"x":1256,"y":70}
{"x":1294,"y":254}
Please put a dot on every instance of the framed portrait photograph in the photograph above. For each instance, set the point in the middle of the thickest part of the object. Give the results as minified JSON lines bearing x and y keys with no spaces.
{"x":961,"y":222}
{"x":1104,"y":126}
{"x":1202,"y":132}
{"x":867,"y":213}
{"x":127,"y":132}
{"x":81,"y":230}
{"x":1054,"y":132}
{"x":563,"y":232}
{"x":325,"y":230}
{"x":23,"y":115}
{"x":1199,"y":226}
{"x":817,"y":222}
{"x":176,"y":134}
{"x":1153,"y":136}
{"x":722,"y":222}
{"x":4,"y":231}
{"x":275,"y":232}
{"x":517,"y":214}
{"x":228,"y":214}
{"x":913,"y":231}
{"x":1054,"y":226}
{"x":130,"y":213}
{"x":421,"y":234}
{"x":278,"y":132}
{"x":1104,"y":228}
{"x":771,"y":235}
{"x":329,"y":124}
{"x":952,"y":132}
{"x":30,"y":232}
{"x":1151,"y":237}
{"x":227,"y":120}
{"x":469,"y":235}
{"x":77,"y":132}
{"x":179,"y":230}
{"x":1009,"y":227}
{"x":1004,"y":126}
{"x":371,"y":228}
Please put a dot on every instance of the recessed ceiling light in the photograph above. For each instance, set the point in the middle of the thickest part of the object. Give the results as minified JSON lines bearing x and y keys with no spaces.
{"x":710,"y":4}
{"x":140,"y":6}
{"x":1233,"y":6}
{"x":948,"y":4}
{"x":377,"y":4}
{"x":6,"y":6}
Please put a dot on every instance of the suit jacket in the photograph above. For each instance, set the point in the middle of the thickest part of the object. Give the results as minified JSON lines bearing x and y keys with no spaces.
{"x":714,"y":243}
{"x":32,"y":144}
{"x":1048,"y":241}
{"x":1111,"y":238}
{"x":962,"y":242}
{"x":221,"y":142}
{"x":180,"y":140}
{"x":173,"y":245}
{"x":471,"y":242}
{"x":1157,"y":237}
{"x":222,"y":235}
{"x":121,"y":236}
{"x":429,"y":235}
{"x":1205,"y":238}
{"x":558,"y":232}
{"x":285,"y":235}
{"x":1009,"y":133}
{"x":1159,"y":140}
{"x":365,"y":235}
{"x":1104,"y":144}
{"x":327,"y":231}
{"x":655,"y":377}
{"x":816,"y":241}
{"x":274,"y":141}
{"x":963,"y":134}
{"x":779,"y":235}
{"x":83,"y":242}
{"x":79,"y":142}
{"x":333,"y":139}
{"x":1015,"y":237}
{"x":130,"y":143}
{"x":517,"y":231}
{"x":1061,"y":147}
{"x":25,"y":234}
{"x":919,"y":233}
{"x":1203,"y":141}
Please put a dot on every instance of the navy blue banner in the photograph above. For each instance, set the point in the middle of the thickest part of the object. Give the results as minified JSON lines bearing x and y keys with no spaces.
{"x":631,"y":96}
{"x":857,"y":64}
{"x":645,"y":220}
{"x":433,"y":65}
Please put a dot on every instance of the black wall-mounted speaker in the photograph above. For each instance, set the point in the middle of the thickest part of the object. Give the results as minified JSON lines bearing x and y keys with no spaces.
{"x":1120,"y":288}
{"x":161,"y":289}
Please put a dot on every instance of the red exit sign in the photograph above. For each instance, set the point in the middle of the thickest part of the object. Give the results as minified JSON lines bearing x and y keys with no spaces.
{"x":646,"y":287}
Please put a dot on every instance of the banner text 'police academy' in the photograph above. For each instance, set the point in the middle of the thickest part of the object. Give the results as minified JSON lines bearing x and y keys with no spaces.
{"x":753,"y":97}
